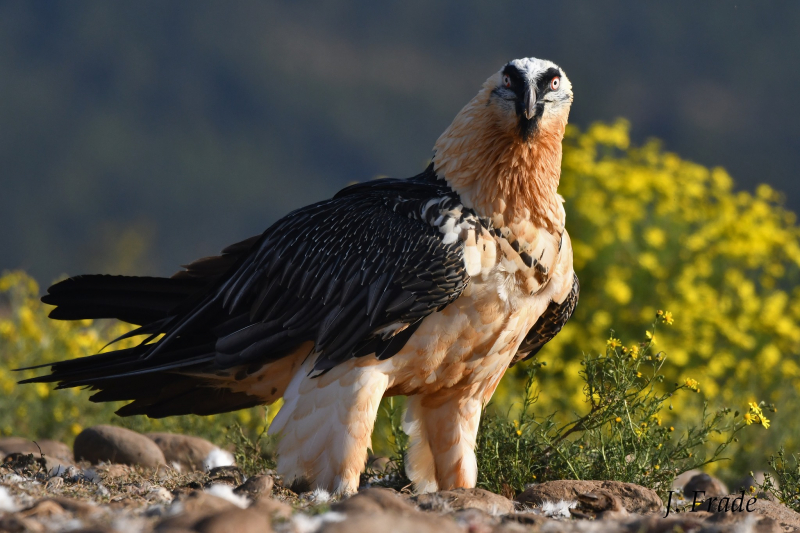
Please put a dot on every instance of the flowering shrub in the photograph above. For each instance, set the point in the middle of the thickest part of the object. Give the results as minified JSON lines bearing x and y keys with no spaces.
{"x":649,"y":230}
{"x":622,"y":434}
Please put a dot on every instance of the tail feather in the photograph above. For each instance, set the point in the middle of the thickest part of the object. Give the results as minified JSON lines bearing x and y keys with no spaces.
{"x":163,"y":377}
{"x":138,"y":300}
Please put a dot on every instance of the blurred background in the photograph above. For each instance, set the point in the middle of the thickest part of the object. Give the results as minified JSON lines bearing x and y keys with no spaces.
{"x":137,"y":136}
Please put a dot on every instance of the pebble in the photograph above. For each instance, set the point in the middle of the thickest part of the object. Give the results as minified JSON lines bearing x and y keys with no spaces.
{"x":255,"y":486}
{"x":117,"y":445}
{"x":451,"y":500}
{"x":46,"y":447}
{"x":187,"y":451}
{"x":234,"y":521}
{"x":54,"y":483}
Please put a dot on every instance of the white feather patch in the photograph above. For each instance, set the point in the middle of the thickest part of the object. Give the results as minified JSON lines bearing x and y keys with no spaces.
{"x":217,"y":457}
{"x":226,"y":493}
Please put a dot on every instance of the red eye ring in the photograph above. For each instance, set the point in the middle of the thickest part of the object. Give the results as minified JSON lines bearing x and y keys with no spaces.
{"x":555,"y":83}
{"x":506,"y":80}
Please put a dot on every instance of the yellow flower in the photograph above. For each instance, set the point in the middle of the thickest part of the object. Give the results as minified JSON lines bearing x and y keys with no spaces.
{"x":635,"y":351}
{"x":756,"y":416}
{"x":692,"y":384}
{"x":613,"y":343}
{"x":657,"y":467}
{"x":618,"y":420}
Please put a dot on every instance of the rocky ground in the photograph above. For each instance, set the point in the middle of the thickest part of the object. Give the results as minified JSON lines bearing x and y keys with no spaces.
{"x":118,"y":480}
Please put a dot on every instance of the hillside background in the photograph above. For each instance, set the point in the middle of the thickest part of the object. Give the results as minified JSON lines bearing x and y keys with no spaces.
{"x":135,"y":137}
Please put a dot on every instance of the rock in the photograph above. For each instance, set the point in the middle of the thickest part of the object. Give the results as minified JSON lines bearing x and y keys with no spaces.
{"x":78,"y":508}
{"x":785,"y":518}
{"x":598,"y":505}
{"x":43,"y":508}
{"x":452,"y":500}
{"x":189,"y":509}
{"x":396,"y":523}
{"x":226,"y":475}
{"x":46,"y":447}
{"x":475,"y":520}
{"x":375,"y":500}
{"x":634,"y":498}
{"x":13,"y":524}
{"x":234,"y":521}
{"x":117,"y":445}
{"x":527,"y":519}
{"x":54,"y":483}
{"x":255,"y":486}
{"x":115,"y":472}
{"x":683,"y":478}
{"x":704,"y":486}
{"x":189,"y":452}
{"x":272,"y":508}
{"x":159,"y":494}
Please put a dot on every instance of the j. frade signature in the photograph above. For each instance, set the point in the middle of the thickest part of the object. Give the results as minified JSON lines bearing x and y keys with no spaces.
{"x":724,"y":505}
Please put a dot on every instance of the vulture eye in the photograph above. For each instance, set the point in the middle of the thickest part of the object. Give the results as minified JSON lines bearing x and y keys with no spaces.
{"x":554,"y":83}
{"x":506,"y":80}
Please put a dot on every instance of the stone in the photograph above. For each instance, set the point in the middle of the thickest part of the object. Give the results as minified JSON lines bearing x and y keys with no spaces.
{"x":634,"y":498}
{"x":375,"y":500}
{"x":189,"y":509}
{"x":255,"y":486}
{"x":78,"y":508}
{"x":272,"y":508}
{"x":44,"y":508}
{"x":598,"y":505}
{"x":683,"y":478}
{"x":785,"y":519}
{"x":46,"y":447}
{"x":396,"y":523}
{"x":159,"y":494}
{"x":54,"y":484}
{"x":226,"y":475}
{"x":234,"y":521}
{"x":115,"y":472}
{"x":475,"y":520}
{"x":10,"y":523}
{"x":453,"y":500}
{"x":117,"y":445}
{"x":187,"y":451}
{"x":704,"y":486}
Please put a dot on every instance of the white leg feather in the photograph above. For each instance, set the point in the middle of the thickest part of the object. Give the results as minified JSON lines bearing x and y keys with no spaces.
{"x":442,"y":451}
{"x":326,"y":426}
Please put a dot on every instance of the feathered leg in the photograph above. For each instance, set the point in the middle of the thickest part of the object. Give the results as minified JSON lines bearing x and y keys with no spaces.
{"x":326,"y":425}
{"x":443,"y":432}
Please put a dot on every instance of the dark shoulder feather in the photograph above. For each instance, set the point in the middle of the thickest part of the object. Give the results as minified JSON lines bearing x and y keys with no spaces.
{"x":549,"y":324}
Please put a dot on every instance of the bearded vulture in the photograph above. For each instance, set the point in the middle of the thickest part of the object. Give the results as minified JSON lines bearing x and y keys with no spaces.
{"x":428,"y":287}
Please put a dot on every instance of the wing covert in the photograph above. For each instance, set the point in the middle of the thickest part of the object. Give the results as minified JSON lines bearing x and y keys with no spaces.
{"x":355,"y":274}
{"x":549,"y":324}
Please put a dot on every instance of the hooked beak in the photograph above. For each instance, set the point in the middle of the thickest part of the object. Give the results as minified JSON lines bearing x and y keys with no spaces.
{"x":529,"y":102}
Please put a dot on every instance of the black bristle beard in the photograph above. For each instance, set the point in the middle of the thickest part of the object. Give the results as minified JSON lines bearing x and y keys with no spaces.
{"x":528,"y":126}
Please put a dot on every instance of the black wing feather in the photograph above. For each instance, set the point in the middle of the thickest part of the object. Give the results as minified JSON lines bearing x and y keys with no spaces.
{"x":549,"y":324}
{"x":355,"y":274}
